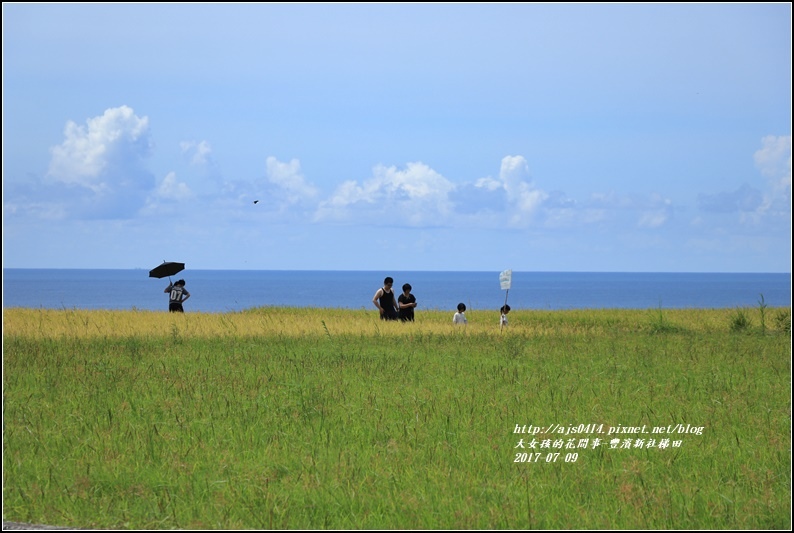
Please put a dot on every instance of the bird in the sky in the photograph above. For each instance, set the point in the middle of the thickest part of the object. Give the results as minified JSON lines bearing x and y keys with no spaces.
{"x":256,"y":201}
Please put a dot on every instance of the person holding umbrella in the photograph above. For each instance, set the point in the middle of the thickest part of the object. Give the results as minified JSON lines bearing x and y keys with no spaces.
{"x":177,"y":295}
{"x":177,"y":292}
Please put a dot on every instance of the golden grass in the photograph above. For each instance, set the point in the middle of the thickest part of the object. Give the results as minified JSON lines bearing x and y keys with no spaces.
{"x":296,"y":322}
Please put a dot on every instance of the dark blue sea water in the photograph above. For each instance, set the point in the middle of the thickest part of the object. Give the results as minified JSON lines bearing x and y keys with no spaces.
{"x":235,"y":290}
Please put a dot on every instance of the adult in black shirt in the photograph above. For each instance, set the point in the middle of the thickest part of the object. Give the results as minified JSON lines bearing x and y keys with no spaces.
{"x":384,"y":300}
{"x":177,"y":294}
{"x":406,"y":302}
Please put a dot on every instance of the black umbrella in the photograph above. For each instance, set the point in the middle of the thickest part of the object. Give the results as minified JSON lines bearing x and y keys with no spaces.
{"x":166,"y":269}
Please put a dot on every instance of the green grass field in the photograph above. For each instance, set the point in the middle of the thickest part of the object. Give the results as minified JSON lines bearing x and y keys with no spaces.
{"x":279,"y":418}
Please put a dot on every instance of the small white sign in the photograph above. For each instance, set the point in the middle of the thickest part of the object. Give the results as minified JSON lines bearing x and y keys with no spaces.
{"x":505,"y":279}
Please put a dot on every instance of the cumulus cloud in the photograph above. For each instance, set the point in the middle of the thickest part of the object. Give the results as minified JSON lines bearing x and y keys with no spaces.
{"x":485,"y":197}
{"x":91,"y":155}
{"x":774,"y":161}
{"x":488,"y":184}
{"x":411,"y":196}
{"x":513,"y":172}
{"x":752,"y":205}
{"x":512,"y":195}
{"x":167,"y":196}
{"x":172,"y":189}
{"x":290,"y":184}
{"x":105,"y":159}
{"x":523,"y":198}
{"x":417,"y":195}
{"x":199,"y":153}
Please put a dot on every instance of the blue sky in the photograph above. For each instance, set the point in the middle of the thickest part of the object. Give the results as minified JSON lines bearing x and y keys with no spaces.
{"x":558,"y":137}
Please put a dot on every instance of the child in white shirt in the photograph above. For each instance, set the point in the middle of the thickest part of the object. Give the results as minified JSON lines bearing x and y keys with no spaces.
{"x":460,"y":316}
{"x":504,"y":310}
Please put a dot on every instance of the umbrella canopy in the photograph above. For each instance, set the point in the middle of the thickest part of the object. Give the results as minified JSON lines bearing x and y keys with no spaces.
{"x":166,"y":269}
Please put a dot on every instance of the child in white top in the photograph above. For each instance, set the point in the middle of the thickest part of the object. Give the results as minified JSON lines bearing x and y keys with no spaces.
{"x":460,"y":316}
{"x":504,"y":310}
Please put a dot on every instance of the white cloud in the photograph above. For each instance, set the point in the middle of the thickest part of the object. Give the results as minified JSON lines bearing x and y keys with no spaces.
{"x":418,"y":195}
{"x":524,"y":198}
{"x":99,"y":166}
{"x":750,"y":206}
{"x":198,"y":152}
{"x":512,"y":199}
{"x":95,"y":155}
{"x":512,"y":173}
{"x":412,"y":196}
{"x":171,"y":189}
{"x":774,"y":160}
{"x":488,"y":183}
{"x":292,"y":186}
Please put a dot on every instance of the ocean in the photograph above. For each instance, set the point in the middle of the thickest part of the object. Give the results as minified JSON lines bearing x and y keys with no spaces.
{"x":236,"y":290}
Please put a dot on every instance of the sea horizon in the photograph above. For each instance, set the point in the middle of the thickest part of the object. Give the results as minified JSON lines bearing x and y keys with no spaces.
{"x":239,"y":289}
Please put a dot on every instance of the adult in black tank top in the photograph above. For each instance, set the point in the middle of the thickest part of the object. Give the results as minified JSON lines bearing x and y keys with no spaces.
{"x":384,"y":300}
